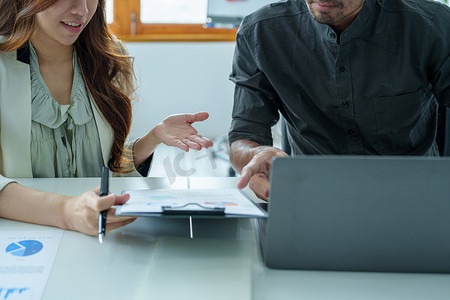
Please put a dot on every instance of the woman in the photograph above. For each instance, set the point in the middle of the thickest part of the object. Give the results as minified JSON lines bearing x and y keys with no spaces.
{"x":65,"y":111}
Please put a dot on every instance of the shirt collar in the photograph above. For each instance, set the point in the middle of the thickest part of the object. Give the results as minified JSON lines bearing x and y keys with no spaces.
{"x":355,"y":27}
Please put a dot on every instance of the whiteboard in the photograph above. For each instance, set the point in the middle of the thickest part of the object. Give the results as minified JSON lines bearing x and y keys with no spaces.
{"x":232,"y":12}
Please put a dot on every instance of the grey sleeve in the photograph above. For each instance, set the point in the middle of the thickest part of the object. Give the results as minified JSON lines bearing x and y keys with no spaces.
{"x":5,"y":181}
{"x":143,"y":169}
{"x":254,"y":109}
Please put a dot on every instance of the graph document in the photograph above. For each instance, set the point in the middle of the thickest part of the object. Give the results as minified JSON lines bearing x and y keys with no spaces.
{"x":26,"y":259}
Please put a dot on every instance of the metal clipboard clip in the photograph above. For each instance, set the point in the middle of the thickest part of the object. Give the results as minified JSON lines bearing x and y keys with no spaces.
{"x":185,"y":210}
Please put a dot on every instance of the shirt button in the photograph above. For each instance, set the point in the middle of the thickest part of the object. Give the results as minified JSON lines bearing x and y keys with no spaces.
{"x":333,"y":35}
{"x":341,"y":69}
{"x":345,"y":104}
{"x":350,"y":131}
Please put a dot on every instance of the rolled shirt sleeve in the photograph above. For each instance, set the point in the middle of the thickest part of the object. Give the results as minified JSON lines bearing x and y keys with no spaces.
{"x":255,"y":110}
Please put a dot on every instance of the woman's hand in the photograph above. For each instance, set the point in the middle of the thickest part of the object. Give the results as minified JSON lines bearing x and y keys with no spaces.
{"x":177,"y":131}
{"x":81,"y":212}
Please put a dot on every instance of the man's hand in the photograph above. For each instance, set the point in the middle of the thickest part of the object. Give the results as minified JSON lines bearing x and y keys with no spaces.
{"x":257,"y":172}
{"x":260,"y":185}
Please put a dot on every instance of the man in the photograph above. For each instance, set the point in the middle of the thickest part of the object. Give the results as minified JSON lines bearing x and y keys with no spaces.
{"x":348,"y":76}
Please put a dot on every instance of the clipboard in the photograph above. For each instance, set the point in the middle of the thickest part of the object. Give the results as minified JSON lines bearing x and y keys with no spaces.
{"x":198,"y":203}
{"x":200,"y":210}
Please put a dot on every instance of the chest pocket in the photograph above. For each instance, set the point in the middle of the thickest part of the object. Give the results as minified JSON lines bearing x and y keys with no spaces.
{"x":406,"y":124}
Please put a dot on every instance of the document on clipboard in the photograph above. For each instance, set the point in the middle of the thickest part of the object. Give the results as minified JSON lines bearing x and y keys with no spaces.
{"x":232,"y":203}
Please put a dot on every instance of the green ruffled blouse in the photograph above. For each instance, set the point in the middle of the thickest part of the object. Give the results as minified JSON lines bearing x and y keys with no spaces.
{"x":64,"y":138}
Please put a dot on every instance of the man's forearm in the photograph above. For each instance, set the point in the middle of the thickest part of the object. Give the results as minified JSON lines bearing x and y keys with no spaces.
{"x":242,"y":152}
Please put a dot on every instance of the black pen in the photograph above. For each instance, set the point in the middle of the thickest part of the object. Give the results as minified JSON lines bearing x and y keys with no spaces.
{"x":104,"y":190}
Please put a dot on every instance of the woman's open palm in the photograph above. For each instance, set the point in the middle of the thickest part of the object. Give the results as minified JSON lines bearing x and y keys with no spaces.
{"x":177,"y":131}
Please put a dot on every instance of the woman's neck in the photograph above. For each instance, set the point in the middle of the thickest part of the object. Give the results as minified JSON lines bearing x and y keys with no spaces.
{"x":56,"y":66}
{"x":50,"y":52}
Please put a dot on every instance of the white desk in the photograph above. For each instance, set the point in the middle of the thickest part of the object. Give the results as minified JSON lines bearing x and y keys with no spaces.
{"x":154,"y":258}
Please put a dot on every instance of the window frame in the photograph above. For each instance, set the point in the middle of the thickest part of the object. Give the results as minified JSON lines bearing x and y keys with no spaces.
{"x":126,"y":26}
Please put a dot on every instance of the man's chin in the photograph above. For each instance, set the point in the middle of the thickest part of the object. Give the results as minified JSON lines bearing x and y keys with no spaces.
{"x":324,"y":19}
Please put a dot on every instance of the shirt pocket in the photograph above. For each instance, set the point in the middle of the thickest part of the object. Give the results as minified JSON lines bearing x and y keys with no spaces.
{"x":403,"y":122}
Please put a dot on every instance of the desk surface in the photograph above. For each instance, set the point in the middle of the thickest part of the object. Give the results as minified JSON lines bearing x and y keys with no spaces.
{"x":154,"y":258}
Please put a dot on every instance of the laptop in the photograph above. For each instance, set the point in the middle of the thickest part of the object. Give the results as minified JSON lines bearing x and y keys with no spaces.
{"x":358,"y":213}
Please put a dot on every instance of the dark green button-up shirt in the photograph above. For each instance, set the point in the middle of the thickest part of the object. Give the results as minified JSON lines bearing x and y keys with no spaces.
{"x":374,"y":90}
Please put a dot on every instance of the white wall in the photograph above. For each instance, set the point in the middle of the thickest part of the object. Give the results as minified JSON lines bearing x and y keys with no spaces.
{"x":183,"y":77}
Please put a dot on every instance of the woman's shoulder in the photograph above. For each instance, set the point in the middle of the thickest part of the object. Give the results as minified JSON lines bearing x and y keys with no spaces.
{"x":10,"y":55}
{"x":7,"y":54}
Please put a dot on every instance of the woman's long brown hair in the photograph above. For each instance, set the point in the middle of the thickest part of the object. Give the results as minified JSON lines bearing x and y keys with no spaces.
{"x":107,"y":70}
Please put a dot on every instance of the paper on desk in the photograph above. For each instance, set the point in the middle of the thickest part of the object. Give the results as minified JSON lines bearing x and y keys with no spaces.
{"x":151,"y":201}
{"x":26,"y":259}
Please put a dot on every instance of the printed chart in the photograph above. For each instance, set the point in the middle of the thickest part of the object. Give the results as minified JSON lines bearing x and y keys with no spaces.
{"x":24,"y":248}
{"x":232,"y":201}
{"x":26,"y":259}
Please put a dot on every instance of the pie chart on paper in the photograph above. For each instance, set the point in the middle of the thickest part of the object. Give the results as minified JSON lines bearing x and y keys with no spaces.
{"x":24,"y":248}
